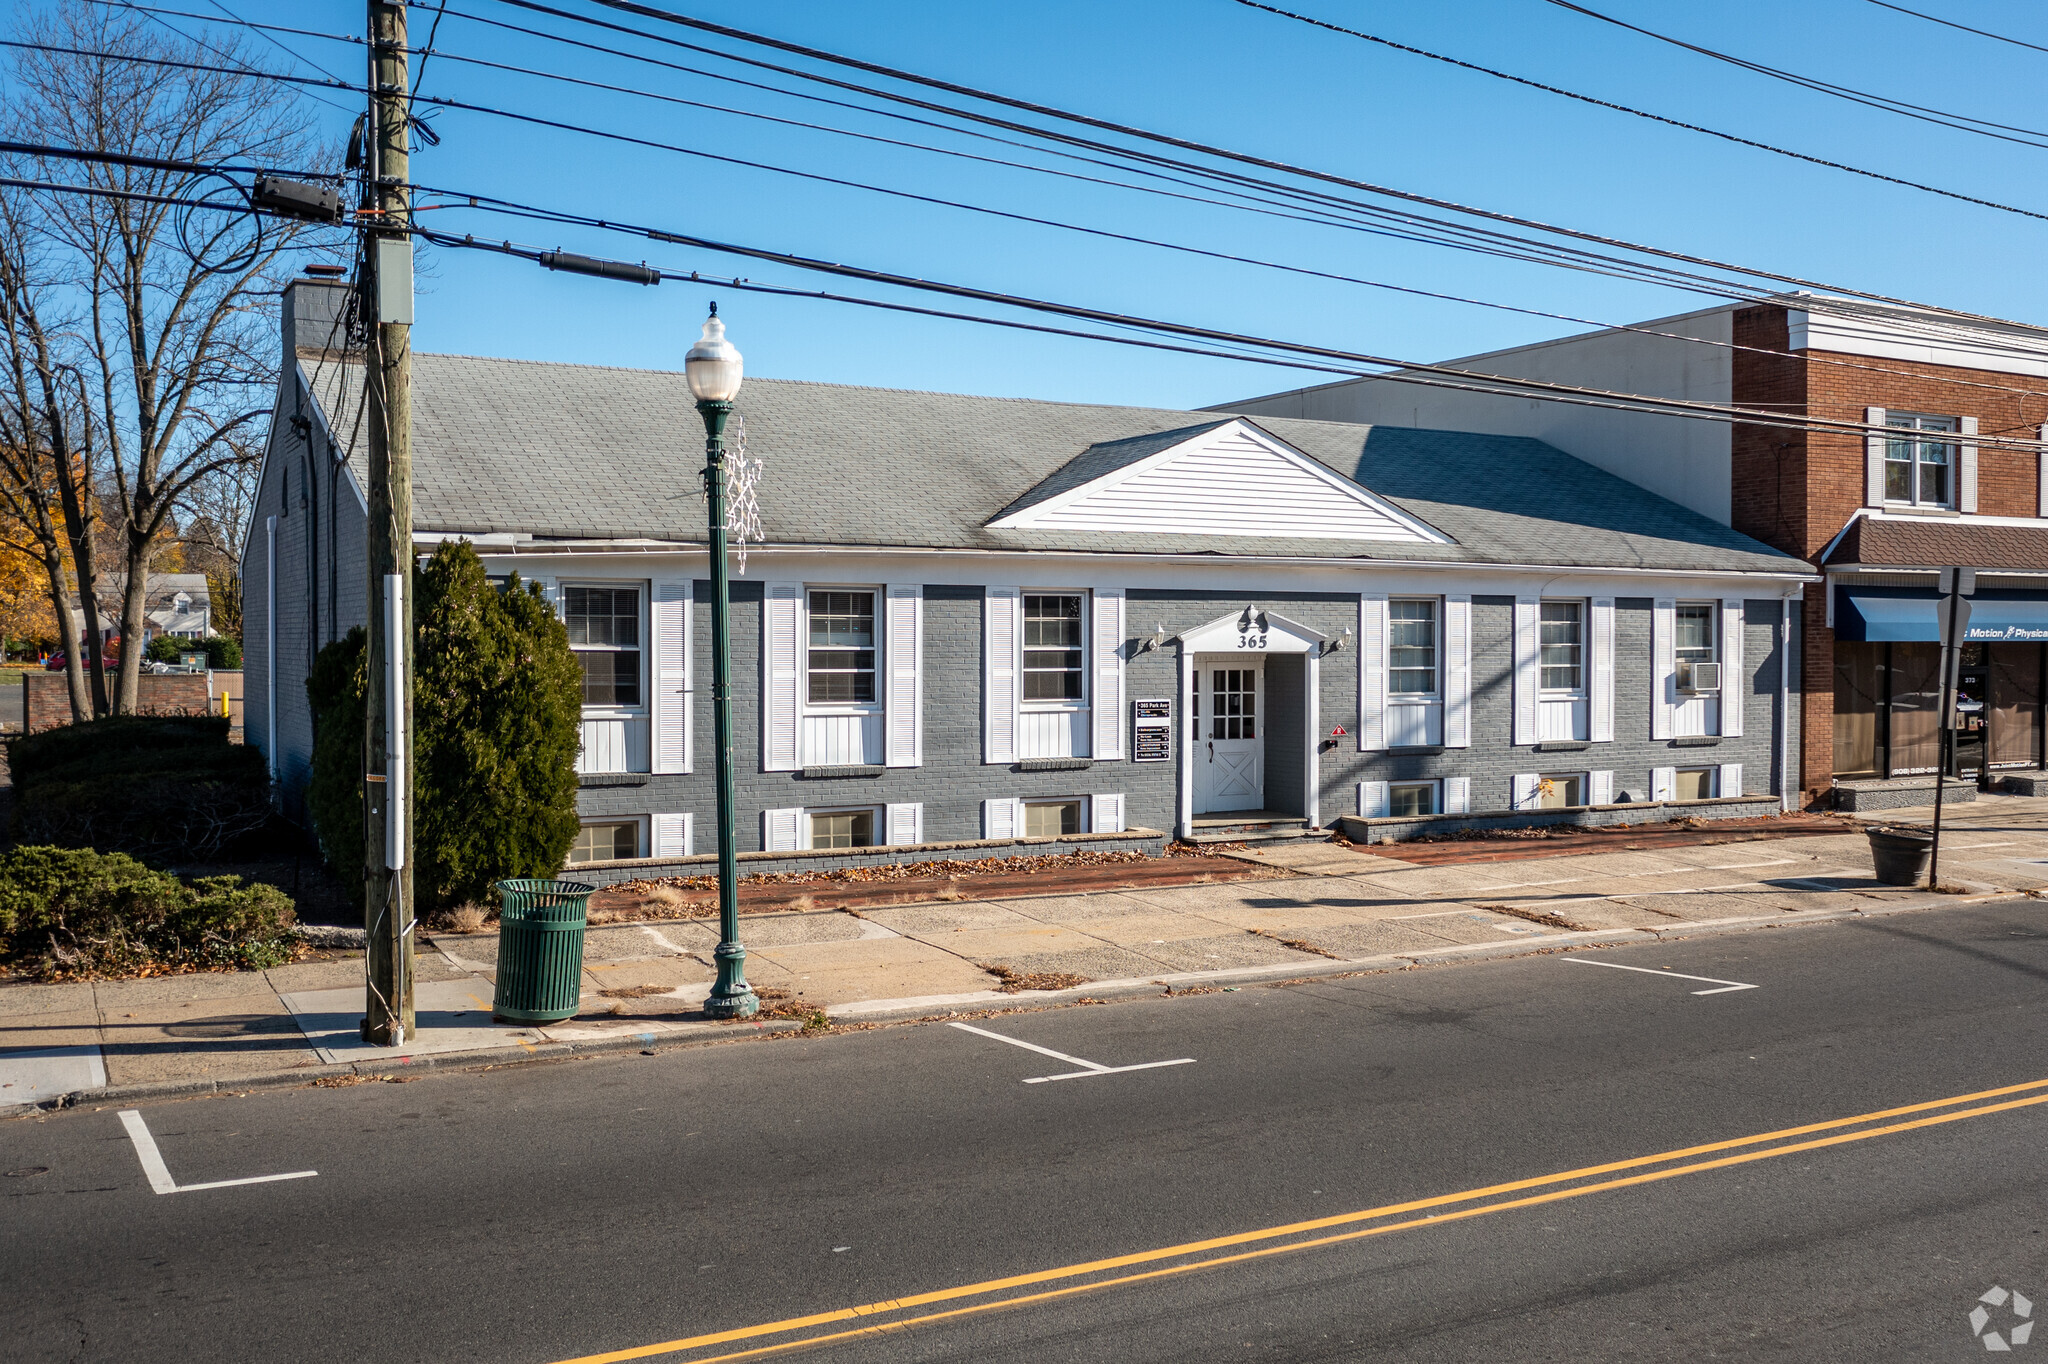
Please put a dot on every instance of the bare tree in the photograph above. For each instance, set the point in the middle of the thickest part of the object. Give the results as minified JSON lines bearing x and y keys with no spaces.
{"x":173,"y":336}
{"x":46,"y":449}
{"x":220,"y":509}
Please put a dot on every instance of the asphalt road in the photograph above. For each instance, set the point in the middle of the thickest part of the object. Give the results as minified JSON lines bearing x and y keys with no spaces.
{"x":580,"y":1209}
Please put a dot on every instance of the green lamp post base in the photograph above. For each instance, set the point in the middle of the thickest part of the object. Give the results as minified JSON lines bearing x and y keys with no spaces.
{"x":732,"y":997}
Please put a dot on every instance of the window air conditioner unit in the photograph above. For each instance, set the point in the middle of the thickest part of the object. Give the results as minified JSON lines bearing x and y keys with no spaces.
{"x":1699,"y":677}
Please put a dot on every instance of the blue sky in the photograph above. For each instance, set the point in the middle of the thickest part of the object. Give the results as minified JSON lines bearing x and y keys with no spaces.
{"x":1219,"y":72}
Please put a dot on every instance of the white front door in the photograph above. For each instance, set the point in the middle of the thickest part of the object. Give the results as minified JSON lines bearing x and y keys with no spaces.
{"x":1229,"y":748}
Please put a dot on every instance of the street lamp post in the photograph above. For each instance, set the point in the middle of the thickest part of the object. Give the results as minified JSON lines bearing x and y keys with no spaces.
{"x":713,"y":370}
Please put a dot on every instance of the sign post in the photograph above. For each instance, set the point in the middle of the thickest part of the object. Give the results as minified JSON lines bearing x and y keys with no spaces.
{"x":1953,"y":614}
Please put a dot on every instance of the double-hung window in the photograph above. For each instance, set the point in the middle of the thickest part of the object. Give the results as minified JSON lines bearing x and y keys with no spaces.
{"x":1412,"y":648}
{"x":841,"y":658}
{"x":1918,"y":466}
{"x":1695,"y":635}
{"x":604,"y":634}
{"x":1563,"y":644}
{"x":1052,"y":647}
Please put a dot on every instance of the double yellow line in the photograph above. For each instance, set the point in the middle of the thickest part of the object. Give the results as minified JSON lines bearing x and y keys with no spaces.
{"x":1300,"y":1235}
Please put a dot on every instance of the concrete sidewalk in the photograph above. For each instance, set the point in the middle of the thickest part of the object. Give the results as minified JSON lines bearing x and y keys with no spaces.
{"x":1340,"y":910}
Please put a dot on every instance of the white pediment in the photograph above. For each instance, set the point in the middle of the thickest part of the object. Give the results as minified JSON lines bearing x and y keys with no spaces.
{"x":1253,"y":630}
{"x":1233,"y":479}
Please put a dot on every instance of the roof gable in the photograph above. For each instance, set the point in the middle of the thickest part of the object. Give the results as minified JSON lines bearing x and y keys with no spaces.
{"x":1220,"y":478}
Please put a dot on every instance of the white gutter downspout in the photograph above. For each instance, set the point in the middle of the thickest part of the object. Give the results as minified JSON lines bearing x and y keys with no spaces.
{"x":270,"y":641}
{"x":1785,"y":782}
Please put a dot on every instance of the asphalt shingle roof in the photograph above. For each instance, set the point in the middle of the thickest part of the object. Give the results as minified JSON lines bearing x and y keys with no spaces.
{"x":587,"y":452}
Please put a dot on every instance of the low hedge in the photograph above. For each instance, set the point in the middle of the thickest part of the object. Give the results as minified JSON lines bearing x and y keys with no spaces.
{"x":161,"y":787}
{"x":74,"y":911}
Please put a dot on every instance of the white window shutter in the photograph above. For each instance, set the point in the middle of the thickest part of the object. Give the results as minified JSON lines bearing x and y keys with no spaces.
{"x":1663,"y":783}
{"x":669,"y":629}
{"x":1733,"y":690}
{"x":1001,"y":818}
{"x":1731,"y":780}
{"x":1663,"y":666}
{"x":1372,"y":673}
{"x":1599,"y":788}
{"x":2041,"y":493}
{"x":1373,"y":799}
{"x":1522,"y":791}
{"x":903,"y":703}
{"x":1873,"y":458}
{"x":782,"y":653}
{"x":1457,"y":795}
{"x":1457,"y":672}
{"x":1106,"y":814}
{"x":1527,"y":728}
{"x":780,"y":830}
{"x":672,"y":835}
{"x":1600,"y":700}
{"x":1002,"y":617}
{"x":905,"y":824}
{"x":1107,"y":642}
{"x":1966,"y":475}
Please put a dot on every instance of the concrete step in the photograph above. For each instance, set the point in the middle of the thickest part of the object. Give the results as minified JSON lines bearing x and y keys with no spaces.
{"x":1252,"y":827}
{"x":1901,"y":792}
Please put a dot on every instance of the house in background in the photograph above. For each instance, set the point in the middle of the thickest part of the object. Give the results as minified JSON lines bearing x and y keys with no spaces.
{"x":979,"y":620}
{"x":176,"y":604}
{"x":1954,"y":471}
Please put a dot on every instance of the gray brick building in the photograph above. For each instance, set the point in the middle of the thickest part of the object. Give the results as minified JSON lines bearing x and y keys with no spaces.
{"x":977,"y":619}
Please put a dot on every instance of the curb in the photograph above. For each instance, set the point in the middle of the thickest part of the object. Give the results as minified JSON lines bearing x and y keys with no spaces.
{"x":481,"y":1059}
{"x":992,"y":1001}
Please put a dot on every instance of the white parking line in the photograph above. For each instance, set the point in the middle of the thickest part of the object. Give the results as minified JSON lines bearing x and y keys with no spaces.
{"x":1093,"y":1068}
{"x":1727,"y":986}
{"x":160,"y":1174}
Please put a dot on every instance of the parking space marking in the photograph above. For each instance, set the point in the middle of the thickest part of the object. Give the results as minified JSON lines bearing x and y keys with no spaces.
{"x":160,"y":1174}
{"x":1727,"y":986}
{"x":1092,"y":1068}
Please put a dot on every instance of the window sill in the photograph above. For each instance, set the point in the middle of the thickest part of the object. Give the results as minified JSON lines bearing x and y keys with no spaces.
{"x":817,"y":773}
{"x":614,"y":713}
{"x":1564,"y":745}
{"x":1695,"y":740}
{"x":1909,"y":509}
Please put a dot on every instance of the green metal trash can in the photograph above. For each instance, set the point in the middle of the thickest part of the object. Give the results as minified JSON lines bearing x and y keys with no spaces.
{"x":540,"y":951}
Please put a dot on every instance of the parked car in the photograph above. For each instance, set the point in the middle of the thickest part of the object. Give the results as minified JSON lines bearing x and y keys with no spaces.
{"x":55,"y":662}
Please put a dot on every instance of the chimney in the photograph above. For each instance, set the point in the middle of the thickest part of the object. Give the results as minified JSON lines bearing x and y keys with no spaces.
{"x":315,"y":310}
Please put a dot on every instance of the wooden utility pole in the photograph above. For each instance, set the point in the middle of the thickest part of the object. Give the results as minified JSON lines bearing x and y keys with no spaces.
{"x":387,"y":373}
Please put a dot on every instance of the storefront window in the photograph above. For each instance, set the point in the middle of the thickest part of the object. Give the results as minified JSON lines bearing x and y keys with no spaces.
{"x":1916,"y":708}
{"x":1859,"y":695}
{"x":2015,"y":704}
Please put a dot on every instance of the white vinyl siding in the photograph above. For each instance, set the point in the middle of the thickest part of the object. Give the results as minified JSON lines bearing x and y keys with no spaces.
{"x":1227,"y":482}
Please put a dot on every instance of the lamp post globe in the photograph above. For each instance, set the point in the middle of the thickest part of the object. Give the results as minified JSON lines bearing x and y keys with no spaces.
{"x":712,"y":369}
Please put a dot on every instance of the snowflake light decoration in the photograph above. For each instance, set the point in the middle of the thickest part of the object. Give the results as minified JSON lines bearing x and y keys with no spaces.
{"x":742,"y":492}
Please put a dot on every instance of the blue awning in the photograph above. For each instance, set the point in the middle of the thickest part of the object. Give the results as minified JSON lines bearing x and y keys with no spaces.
{"x":1905,"y":615}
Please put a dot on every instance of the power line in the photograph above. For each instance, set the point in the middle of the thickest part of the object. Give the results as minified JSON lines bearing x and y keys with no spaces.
{"x":2028,"y":137}
{"x":1182,"y":144}
{"x":1655,"y":118}
{"x":221,"y":52}
{"x":1950,"y":23}
{"x":1410,"y":371}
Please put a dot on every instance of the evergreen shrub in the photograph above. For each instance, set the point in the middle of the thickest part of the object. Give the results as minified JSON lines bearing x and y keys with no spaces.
{"x":77,"y":911}
{"x":497,"y":712}
{"x":159,"y":787}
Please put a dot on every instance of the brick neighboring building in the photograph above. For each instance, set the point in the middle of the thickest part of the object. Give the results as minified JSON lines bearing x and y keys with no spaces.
{"x":1968,"y":399}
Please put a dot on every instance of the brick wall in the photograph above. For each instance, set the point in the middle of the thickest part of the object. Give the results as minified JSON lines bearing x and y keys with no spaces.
{"x":1796,"y":490}
{"x":46,"y":699}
